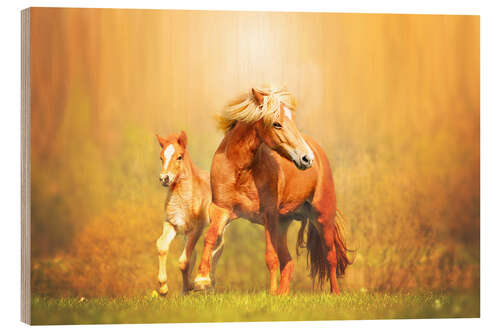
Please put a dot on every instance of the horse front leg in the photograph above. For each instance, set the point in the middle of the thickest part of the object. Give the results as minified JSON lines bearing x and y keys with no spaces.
{"x":272,"y":260}
{"x":218,"y":219}
{"x":186,"y":260}
{"x":286,"y":262}
{"x":162,"y":245}
{"x":216,"y":254}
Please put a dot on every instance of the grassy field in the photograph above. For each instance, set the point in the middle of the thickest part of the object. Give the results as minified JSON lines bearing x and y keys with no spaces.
{"x":253,"y":306}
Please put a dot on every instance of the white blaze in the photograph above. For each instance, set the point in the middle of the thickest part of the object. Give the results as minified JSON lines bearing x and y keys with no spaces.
{"x":288,"y":113}
{"x":309,"y":150}
{"x":169,"y":151}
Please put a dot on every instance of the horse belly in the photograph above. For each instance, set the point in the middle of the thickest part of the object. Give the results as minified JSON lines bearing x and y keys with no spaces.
{"x":298,"y":189}
{"x":248,"y":209}
{"x":290,"y":207}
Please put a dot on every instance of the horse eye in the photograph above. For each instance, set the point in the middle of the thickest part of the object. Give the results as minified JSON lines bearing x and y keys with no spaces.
{"x":179,"y":157}
{"x":277,"y":125}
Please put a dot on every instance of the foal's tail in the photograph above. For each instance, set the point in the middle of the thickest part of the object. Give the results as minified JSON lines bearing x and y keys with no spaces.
{"x":317,"y":252}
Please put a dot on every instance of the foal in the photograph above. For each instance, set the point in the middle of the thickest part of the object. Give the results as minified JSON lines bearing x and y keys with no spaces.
{"x":186,"y":207}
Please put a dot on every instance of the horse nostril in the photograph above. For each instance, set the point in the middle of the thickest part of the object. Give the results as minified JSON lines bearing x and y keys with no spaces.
{"x":164,"y":178}
{"x":305,"y":159}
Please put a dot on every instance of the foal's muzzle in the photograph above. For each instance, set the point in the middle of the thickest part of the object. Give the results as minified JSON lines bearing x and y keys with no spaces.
{"x":165,"y":179}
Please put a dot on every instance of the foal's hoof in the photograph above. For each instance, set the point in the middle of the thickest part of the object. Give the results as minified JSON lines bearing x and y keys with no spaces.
{"x":202,"y":283}
{"x":163,"y":290}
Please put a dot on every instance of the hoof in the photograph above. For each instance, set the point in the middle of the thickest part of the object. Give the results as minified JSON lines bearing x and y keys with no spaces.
{"x":188,"y":290}
{"x":202,"y":283}
{"x":163,"y":290}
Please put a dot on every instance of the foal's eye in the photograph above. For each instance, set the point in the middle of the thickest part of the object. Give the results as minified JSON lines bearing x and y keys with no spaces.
{"x":277,"y":125}
{"x":179,"y":157}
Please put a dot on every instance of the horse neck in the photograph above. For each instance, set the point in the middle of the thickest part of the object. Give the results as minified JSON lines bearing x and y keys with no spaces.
{"x":193,"y":171}
{"x":243,"y":145}
{"x":189,"y":169}
{"x":187,"y":174}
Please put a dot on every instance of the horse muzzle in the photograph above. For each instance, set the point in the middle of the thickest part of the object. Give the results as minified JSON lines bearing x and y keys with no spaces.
{"x":302,"y":161}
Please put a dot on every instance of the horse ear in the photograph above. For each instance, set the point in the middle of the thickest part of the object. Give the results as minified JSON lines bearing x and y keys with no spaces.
{"x":259,"y":97}
{"x":183,"y":139}
{"x":161,"y":141}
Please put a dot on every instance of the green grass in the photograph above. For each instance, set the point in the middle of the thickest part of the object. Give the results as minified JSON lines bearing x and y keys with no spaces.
{"x":253,"y":306}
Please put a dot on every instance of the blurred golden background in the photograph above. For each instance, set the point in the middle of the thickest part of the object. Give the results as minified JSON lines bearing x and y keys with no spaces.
{"x":393,"y":100}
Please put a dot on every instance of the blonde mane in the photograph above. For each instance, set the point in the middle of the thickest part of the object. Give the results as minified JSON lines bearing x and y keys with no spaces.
{"x":248,"y":110}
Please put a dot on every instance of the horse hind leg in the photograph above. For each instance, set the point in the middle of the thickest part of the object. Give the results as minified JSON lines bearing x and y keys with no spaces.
{"x":328,"y":229}
{"x":336,"y":249}
{"x":188,"y":258}
{"x":192,"y":263}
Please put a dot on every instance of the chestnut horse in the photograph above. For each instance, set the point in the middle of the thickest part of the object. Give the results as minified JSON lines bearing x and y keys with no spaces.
{"x":266,"y":171}
{"x":186,"y":207}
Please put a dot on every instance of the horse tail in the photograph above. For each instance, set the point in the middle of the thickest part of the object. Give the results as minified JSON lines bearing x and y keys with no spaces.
{"x":317,"y":252}
{"x":340,"y":244}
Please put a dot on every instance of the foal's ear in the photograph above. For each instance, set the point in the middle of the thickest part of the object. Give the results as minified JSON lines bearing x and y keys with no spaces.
{"x":161,"y":140}
{"x":259,"y":97}
{"x":182,"y":140}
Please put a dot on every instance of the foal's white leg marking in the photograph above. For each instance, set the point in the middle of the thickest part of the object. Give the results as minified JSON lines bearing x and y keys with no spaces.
{"x":169,"y":151}
{"x":183,"y":257}
{"x":163,"y":244}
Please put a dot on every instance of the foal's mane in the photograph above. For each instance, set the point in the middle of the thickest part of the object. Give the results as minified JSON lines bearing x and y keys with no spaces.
{"x":248,"y":110}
